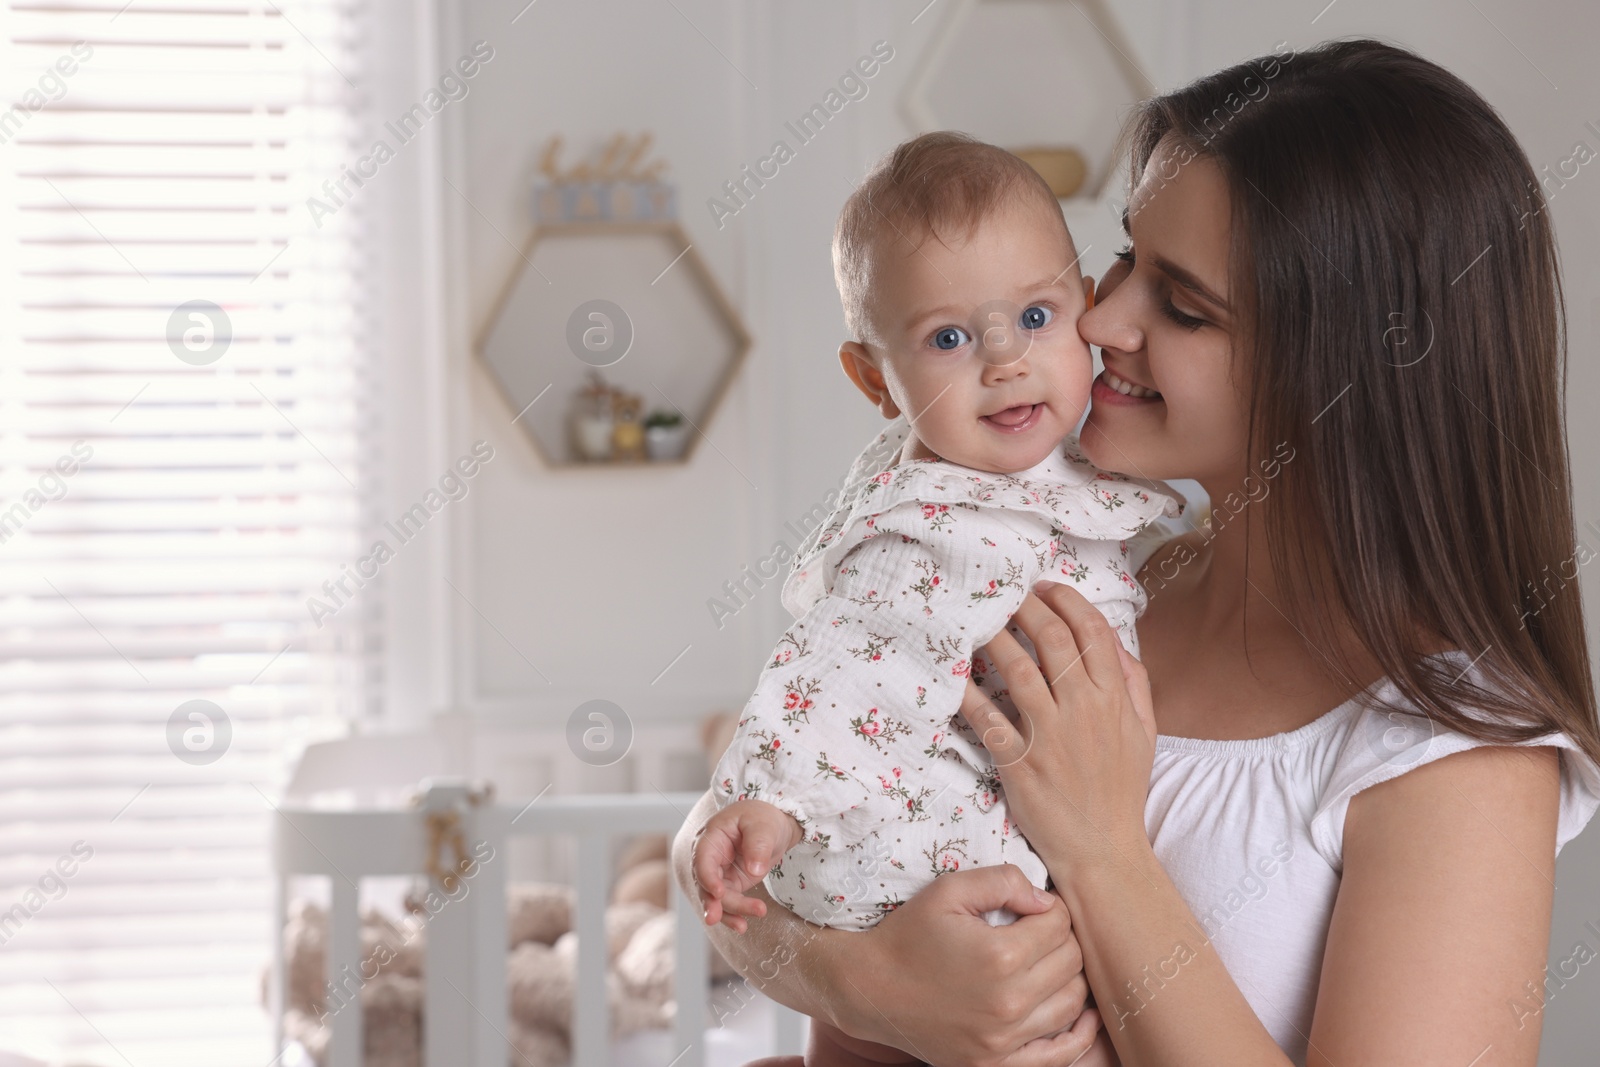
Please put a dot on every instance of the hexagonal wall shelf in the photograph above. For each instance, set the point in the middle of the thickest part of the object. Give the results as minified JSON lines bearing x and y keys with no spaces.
{"x":1029,"y":74}
{"x":677,"y":342}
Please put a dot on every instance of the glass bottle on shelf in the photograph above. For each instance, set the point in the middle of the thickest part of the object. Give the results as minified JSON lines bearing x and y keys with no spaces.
{"x":592,"y":420}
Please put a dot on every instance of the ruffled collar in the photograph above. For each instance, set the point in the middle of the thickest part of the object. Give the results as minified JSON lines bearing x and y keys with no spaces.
{"x":1064,"y":488}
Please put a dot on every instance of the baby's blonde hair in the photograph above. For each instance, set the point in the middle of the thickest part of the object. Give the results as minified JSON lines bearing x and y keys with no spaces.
{"x":943,"y":183}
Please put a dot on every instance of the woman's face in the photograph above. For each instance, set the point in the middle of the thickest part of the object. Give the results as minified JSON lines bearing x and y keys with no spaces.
{"x":1163,"y":323}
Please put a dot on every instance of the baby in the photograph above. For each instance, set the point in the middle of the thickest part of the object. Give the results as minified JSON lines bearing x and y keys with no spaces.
{"x":852,"y":780}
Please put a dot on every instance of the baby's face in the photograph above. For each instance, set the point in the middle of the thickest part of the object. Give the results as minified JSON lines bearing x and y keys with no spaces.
{"x":978,"y":341}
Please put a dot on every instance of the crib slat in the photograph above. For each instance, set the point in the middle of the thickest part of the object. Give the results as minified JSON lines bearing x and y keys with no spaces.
{"x":465,"y":975}
{"x":691,"y":978}
{"x":344,"y":972}
{"x":448,"y":1015}
{"x":591,"y":1023}
{"x":275,"y":1005}
{"x":490,"y":928}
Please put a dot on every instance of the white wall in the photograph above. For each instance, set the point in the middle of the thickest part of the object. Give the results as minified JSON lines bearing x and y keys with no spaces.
{"x":603,"y":594}
{"x":600,"y":578}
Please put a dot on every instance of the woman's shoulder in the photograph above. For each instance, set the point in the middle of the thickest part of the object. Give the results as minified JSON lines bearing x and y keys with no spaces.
{"x":1384,"y":737}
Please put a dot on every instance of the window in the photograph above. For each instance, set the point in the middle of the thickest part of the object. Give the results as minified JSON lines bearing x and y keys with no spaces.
{"x":185,"y":409}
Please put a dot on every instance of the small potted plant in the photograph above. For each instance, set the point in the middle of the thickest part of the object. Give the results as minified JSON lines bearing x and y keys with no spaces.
{"x":665,"y":434}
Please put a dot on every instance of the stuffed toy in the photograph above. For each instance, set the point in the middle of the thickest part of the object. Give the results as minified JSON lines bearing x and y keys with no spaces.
{"x":541,"y":974}
{"x":541,"y":965}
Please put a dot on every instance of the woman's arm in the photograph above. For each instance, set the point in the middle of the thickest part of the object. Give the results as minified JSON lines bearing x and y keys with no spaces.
{"x":1167,"y":997}
{"x":1442,"y":922}
{"x":1443,"y":914}
{"x":1076,"y":771}
{"x":932,"y":978}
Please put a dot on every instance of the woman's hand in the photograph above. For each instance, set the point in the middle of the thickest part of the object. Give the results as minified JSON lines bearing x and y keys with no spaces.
{"x":1076,"y":765}
{"x":933,"y":978}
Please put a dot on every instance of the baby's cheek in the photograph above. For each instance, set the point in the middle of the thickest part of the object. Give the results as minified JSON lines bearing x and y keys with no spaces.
{"x":1074,"y":378}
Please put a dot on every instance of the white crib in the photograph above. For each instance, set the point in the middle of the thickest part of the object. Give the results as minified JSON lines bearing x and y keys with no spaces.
{"x":364,"y":832}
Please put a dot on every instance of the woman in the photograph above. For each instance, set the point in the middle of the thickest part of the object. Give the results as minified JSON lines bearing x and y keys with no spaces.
{"x":1343,"y":291}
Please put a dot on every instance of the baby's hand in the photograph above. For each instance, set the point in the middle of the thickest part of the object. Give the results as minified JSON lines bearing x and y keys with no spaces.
{"x":1100,"y":1054}
{"x":737,"y":848}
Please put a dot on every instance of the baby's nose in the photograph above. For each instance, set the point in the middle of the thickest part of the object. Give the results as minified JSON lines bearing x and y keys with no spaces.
{"x":1001,"y":343}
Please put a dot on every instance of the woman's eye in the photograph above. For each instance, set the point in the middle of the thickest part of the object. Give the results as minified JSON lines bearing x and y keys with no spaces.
{"x":1126,"y":254}
{"x":1188,"y":322}
{"x":950,"y":337}
{"x":1035,"y":317}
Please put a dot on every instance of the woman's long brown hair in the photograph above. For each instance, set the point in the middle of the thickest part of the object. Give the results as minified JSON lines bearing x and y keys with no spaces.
{"x":1397,"y":277}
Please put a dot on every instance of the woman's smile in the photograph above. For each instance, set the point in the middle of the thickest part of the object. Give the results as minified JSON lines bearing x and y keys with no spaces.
{"x":1110,"y":389}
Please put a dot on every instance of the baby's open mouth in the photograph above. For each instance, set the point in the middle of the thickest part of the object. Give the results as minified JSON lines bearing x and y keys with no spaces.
{"x":1014,"y":419}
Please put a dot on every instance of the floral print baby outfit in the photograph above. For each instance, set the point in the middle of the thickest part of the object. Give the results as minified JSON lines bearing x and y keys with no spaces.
{"x":854,"y":727}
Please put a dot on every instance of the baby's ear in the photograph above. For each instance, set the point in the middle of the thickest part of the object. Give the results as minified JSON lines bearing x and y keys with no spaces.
{"x":860,"y":368}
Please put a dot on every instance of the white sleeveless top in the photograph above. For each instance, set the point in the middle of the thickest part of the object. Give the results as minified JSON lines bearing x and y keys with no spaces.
{"x":1251,"y":833}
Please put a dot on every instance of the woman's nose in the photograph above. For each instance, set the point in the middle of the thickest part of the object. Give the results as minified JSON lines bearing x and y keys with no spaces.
{"x":1109,"y":323}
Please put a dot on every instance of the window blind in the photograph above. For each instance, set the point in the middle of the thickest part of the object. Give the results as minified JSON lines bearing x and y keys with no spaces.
{"x":184,"y":413}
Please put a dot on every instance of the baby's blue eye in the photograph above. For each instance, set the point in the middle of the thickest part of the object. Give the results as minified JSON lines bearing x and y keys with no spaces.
{"x":950,"y":337}
{"x":1035,"y":317}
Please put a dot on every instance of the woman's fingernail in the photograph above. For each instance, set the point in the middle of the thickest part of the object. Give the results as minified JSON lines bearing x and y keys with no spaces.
{"x":1041,"y":586}
{"x":1040,"y":895}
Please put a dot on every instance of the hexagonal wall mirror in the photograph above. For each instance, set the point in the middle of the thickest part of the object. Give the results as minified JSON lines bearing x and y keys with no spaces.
{"x":1047,"y":79}
{"x":631,"y":303}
